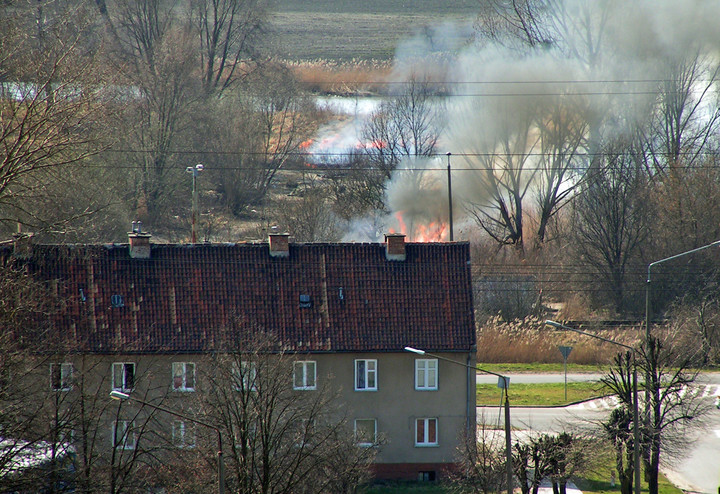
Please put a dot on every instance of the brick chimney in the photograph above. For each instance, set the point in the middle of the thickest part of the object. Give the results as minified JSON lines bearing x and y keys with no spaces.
{"x":139,"y":242}
{"x":22,"y":245}
{"x":395,"y":247}
{"x":279,"y":244}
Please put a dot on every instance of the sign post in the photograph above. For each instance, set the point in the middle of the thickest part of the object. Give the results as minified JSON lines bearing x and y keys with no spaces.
{"x":565,"y":350}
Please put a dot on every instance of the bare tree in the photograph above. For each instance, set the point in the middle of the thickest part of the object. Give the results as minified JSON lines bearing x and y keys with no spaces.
{"x":563,"y":133}
{"x":681,"y":127}
{"x":531,"y":463}
{"x":515,"y":23}
{"x":309,"y":215}
{"x":481,"y":462}
{"x":357,"y":187}
{"x":618,"y":427}
{"x":612,"y":211}
{"x":673,"y":407}
{"x":159,"y":51}
{"x":503,"y":175}
{"x":260,"y":128}
{"x":407,"y":125}
{"x":50,"y":109}
{"x":230,"y":32}
{"x":281,"y":439}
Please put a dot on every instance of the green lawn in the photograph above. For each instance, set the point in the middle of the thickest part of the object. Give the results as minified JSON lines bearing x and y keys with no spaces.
{"x":546,"y":394}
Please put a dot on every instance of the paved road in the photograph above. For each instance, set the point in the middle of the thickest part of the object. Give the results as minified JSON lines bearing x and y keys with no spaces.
{"x":538,"y":378}
{"x":698,"y":472}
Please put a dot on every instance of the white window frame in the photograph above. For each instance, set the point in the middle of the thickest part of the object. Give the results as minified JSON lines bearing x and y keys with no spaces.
{"x":308,"y":380}
{"x":121,"y":368}
{"x":364,"y":375}
{"x":183,"y":434}
{"x":426,"y":374}
{"x":365,"y":444}
{"x":425,"y":441}
{"x":66,"y":374}
{"x":126,"y":438}
{"x":180,"y":373}
{"x":244,"y":375}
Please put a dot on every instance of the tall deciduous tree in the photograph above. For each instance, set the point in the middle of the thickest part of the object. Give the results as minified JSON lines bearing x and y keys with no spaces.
{"x":50,"y":108}
{"x":230,"y":32}
{"x":618,"y":427}
{"x":281,"y":439}
{"x":672,"y":410}
{"x":407,"y":125}
{"x":613,"y":218}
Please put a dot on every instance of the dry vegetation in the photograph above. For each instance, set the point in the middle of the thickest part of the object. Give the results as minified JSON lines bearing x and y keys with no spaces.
{"x":530,"y":341}
{"x":332,"y":77}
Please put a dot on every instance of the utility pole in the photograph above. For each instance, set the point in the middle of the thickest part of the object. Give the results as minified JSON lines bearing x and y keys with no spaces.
{"x":450,"y":211}
{"x":195,"y":170}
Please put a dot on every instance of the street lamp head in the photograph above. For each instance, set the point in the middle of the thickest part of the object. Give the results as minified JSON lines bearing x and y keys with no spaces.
{"x":554,"y":324}
{"x":414,"y":350}
{"x":195,"y":170}
{"x":118,"y":395}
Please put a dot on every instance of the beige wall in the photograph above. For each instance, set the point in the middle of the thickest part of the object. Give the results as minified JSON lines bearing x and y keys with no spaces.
{"x":395,"y":405}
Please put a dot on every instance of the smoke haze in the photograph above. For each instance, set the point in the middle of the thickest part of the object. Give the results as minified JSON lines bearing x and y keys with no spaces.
{"x":604,"y":64}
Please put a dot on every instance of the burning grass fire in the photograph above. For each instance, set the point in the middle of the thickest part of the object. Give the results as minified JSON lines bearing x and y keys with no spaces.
{"x":435,"y":231}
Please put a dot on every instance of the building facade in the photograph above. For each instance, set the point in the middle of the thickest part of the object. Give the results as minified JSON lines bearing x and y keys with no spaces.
{"x":145,"y":319}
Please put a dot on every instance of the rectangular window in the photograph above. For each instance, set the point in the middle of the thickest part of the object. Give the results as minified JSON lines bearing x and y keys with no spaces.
{"x":365,"y":432}
{"x":426,"y":432}
{"x":183,"y":434}
{"x":244,"y":376}
{"x":426,"y":374}
{"x":123,"y":434}
{"x":304,"y":375}
{"x":366,"y":375}
{"x":61,"y":377}
{"x":183,"y":376}
{"x":123,"y":376}
{"x":426,"y":476}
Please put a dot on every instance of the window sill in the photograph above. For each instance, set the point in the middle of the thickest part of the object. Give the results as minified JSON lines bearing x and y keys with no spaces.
{"x":436,"y":445}
{"x":365,"y":389}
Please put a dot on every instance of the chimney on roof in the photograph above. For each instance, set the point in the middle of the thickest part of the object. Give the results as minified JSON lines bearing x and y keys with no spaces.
{"x":279,"y":244}
{"x":22,"y":245}
{"x":139,"y":242}
{"x":395,"y":246}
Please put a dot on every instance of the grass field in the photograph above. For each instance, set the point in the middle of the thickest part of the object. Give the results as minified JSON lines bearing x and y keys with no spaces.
{"x":546,"y":394}
{"x":345,"y":31}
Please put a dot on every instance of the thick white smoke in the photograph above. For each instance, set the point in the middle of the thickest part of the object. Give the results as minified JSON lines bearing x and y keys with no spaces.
{"x":604,"y":63}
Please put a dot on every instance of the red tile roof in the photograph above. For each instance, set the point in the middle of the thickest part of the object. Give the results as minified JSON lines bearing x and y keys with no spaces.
{"x":184,"y":298}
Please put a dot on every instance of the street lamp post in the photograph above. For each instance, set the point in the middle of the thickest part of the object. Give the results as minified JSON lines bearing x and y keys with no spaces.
{"x":636,"y":412}
{"x":195,"y":170}
{"x":117,"y":395}
{"x":506,"y":386}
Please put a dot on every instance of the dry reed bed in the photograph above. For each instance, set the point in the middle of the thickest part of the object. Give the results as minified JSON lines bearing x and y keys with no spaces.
{"x":529,"y":340}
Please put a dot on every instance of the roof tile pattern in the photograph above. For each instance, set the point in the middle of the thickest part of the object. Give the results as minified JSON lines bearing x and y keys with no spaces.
{"x":323,"y":297}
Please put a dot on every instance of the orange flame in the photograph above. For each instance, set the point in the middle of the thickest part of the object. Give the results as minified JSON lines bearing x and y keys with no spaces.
{"x":432,"y":232}
{"x":306,"y":144}
{"x":375,"y":144}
